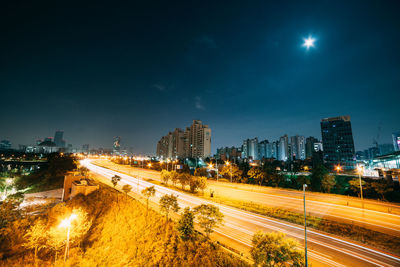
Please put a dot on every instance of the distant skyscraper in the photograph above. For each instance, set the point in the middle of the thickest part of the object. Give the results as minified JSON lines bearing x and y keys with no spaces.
{"x":396,"y":141}
{"x":117,"y":145}
{"x":283,"y":148}
{"x":337,"y":139}
{"x":298,"y":147}
{"x":195,"y":142}
{"x":5,"y":144}
{"x":58,"y":139}
{"x":250,"y":148}
{"x":262,"y":149}
{"x":85,"y":148}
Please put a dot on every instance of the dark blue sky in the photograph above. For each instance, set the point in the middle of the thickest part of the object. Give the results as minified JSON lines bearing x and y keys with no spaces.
{"x":138,"y":71}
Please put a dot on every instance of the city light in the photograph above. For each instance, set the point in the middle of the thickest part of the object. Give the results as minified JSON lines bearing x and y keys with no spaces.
{"x":67,"y":222}
{"x":338,"y":168}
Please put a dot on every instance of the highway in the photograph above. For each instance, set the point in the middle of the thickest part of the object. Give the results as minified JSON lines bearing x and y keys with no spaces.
{"x":388,"y":223}
{"x":324,"y":250}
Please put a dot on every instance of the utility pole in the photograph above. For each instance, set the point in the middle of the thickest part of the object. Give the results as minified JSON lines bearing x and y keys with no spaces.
{"x":305,"y":225}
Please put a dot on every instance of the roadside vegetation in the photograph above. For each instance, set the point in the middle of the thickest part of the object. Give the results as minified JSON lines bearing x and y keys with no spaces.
{"x":346,"y":230}
{"x":108,"y":233}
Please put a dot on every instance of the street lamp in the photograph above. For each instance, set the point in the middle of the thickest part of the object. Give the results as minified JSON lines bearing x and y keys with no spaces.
{"x":338,"y":168}
{"x":149,"y":165}
{"x":66,"y":223}
{"x":230,"y":168}
{"x":359,"y":170}
{"x":305,"y":225}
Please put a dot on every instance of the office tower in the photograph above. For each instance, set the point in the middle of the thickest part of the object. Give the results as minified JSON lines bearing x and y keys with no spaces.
{"x":58,"y":139}
{"x":337,"y":139}
{"x":298,"y":147}
{"x":396,"y":141}
{"x":283,"y":148}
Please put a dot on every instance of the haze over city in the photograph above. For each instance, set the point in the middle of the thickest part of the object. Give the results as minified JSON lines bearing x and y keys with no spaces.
{"x":142,"y":70}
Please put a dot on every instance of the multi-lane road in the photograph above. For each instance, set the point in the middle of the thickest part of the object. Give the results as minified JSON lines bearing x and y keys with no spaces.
{"x":326,"y":206}
{"x":240,"y":225}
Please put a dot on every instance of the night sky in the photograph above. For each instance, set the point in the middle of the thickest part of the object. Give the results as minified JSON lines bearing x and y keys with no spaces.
{"x":139,"y":71}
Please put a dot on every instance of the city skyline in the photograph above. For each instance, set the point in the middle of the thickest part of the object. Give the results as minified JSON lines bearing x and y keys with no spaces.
{"x":244,"y":71}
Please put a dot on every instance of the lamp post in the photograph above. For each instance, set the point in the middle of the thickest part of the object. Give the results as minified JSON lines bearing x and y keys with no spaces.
{"x":66,"y":223}
{"x":230,"y":168}
{"x":359,"y":170}
{"x":305,"y":225}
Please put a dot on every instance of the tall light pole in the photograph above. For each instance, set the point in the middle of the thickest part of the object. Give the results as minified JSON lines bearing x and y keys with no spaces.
{"x":359,"y":170}
{"x":305,"y":225}
{"x":66,"y":223}
{"x":230,"y":168}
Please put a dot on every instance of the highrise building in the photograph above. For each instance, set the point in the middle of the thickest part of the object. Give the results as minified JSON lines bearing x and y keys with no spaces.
{"x":5,"y":145}
{"x":58,"y":139}
{"x":195,"y":142}
{"x":262,"y":149}
{"x":337,"y":138}
{"x":117,"y":145}
{"x":250,"y":149}
{"x":298,"y":147}
{"x":396,"y":141}
{"x":283,"y":148}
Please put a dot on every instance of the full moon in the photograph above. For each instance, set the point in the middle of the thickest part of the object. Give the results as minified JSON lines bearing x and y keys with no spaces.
{"x":308,"y":42}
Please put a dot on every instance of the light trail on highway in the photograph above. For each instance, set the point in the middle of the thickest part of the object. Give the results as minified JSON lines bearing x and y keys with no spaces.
{"x":240,"y":225}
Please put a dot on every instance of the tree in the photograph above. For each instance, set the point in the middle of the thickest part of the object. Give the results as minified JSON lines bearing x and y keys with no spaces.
{"x":83,"y":170}
{"x":257,"y":175}
{"x":316,"y":177}
{"x":381,"y":188}
{"x":165,"y":176}
{"x":186,"y":224}
{"x":355,"y":185}
{"x":115,"y":179}
{"x":169,"y":203}
{"x":201,"y":172}
{"x":202,"y":183}
{"x":173,"y":175}
{"x":184,"y":179}
{"x":208,"y":217}
{"x":36,"y":237}
{"x":274,"y":249}
{"x":328,"y":182}
{"x":127,"y":188}
{"x":236,"y":172}
{"x":148,"y":192}
{"x":193,"y":183}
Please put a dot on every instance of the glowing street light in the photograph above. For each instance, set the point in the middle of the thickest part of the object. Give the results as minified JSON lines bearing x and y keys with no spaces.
{"x":338,"y":168}
{"x":359,"y":170}
{"x":66,"y":223}
{"x":309,"y":42}
{"x":305,"y":225}
{"x":149,"y":165}
{"x":230,"y":167}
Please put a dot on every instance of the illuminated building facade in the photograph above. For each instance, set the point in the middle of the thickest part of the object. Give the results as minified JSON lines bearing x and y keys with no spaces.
{"x":337,"y":138}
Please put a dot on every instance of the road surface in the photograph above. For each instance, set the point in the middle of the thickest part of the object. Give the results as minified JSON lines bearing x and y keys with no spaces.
{"x":320,"y":205}
{"x":324,"y":250}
